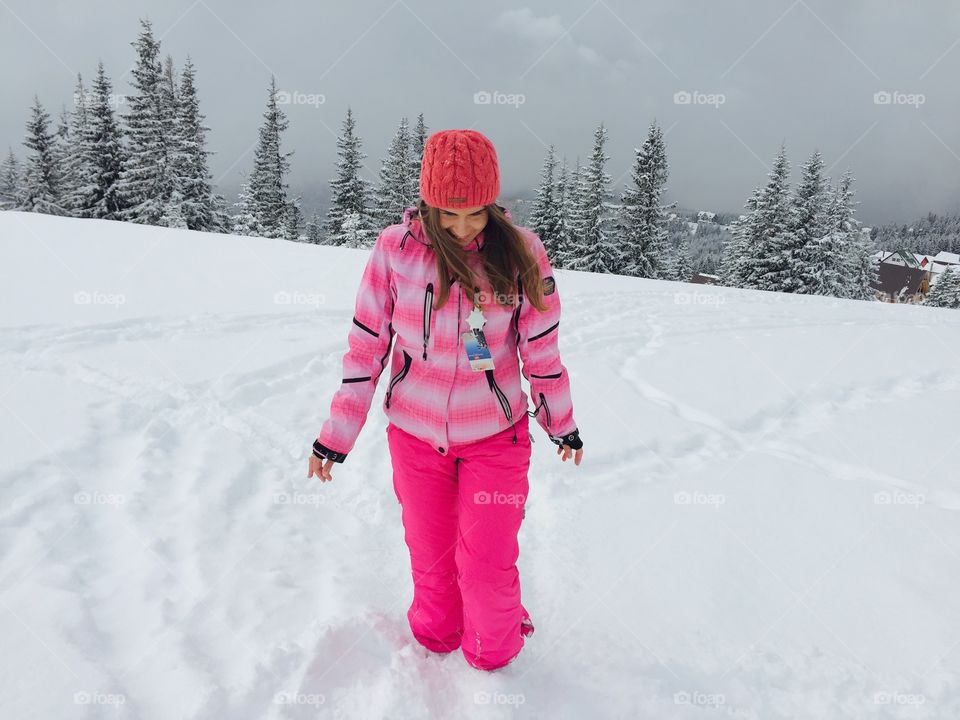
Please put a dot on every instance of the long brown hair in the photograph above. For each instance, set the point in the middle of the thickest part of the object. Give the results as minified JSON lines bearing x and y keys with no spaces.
{"x":505,"y":256}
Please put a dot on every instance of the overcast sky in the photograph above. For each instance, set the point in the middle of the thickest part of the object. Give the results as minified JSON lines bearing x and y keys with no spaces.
{"x":756,"y":73}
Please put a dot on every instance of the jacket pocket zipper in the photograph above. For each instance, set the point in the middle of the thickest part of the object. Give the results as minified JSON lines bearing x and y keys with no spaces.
{"x":407,"y":359}
{"x":427,"y":312}
{"x":501,"y":398}
{"x":546,"y":408}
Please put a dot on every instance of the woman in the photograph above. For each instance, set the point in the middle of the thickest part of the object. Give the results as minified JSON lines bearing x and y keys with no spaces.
{"x":457,"y":417}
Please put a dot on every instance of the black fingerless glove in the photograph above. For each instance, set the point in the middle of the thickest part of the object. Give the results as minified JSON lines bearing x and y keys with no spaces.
{"x":573,"y":440}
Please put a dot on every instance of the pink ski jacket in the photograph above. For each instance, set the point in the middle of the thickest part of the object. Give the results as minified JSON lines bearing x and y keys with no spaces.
{"x":433,"y":393}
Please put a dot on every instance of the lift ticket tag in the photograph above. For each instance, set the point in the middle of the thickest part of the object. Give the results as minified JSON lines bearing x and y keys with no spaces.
{"x":475,"y":343}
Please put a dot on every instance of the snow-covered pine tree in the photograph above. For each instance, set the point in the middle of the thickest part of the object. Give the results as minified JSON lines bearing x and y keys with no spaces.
{"x":682,"y":269}
{"x":41,"y":189}
{"x":393,"y":190}
{"x":147,"y":179}
{"x":945,"y":293}
{"x":642,"y":219}
{"x":736,"y":253}
{"x":356,"y":231}
{"x":172,"y":213}
{"x":107,"y":150}
{"x":861,"y":271}
{"x":349,"y":192}
{"x":544,"y":217}
{"x":313,"y":230}
{"x":9,"y":181}
{"x":244,"y":221}
{"x":293,"y":221}
{"x":765,"y":265}
{"x":80,"y":188}
{"x":596,"y":247}
{"x":563,"y":194}
{"x":194,"y":174}
{"x":268,"y":186}
{"x":814,"y":256}
{"x":418,"y":139}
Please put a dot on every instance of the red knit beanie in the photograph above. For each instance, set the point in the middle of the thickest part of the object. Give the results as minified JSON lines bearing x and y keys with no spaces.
{"x":459,"y":169}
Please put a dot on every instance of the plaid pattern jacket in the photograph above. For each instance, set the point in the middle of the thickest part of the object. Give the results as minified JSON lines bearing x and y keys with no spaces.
{"x":433,"y":393}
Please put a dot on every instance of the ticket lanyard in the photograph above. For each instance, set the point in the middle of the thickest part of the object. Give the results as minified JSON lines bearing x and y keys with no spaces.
{"x":474,"y":341}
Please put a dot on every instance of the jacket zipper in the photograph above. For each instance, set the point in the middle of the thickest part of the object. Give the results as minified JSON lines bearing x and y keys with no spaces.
{"x":427,"y":312}
{"x":407,"y":359}
{"x":546,"y":408}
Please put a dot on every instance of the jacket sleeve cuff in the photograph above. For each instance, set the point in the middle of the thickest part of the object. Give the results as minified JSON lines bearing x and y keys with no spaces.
{"x":323,"y":452}
{"x":572,"y":439}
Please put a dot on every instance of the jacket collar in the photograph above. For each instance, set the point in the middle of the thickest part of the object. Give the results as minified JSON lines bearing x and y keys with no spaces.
{"x":413,"y":225}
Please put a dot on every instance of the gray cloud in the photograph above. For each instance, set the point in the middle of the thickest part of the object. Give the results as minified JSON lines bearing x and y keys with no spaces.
{"x":805,"y":73}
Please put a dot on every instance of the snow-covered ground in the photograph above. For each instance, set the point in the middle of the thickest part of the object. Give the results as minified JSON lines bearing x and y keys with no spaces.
{"x":765,"y":524}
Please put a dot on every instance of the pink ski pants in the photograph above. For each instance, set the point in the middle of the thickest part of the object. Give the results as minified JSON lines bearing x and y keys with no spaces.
{"x":461,"y":514}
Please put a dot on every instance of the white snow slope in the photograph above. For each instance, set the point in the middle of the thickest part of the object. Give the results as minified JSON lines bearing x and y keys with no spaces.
{"x":765,"y":523}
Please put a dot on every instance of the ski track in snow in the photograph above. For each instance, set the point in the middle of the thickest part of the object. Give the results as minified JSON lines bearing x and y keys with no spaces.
{"x":205,"y":596}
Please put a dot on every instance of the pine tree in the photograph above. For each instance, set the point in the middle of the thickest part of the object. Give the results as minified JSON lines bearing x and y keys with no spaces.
{"x":293,"y":221}
{"x":107,"y":150}
{"x":244,"y":219}
{"x":194,"y":174}
{"x":568,"y":248}
{"x":735,"y":250}
{"x":356,"y":231}
{"x":814,"y":256}
{"x":268,"y":186}
{"x":393,"y":192}
{"x":945,"y":293}
{"x":764,"y":264}
{"x":80,"y":191}
{"x":563,"y":234}
{"x":642,"y":218}
{"x":860,"y":268}
{"x":148,"y":179}
{"x":418,"y":139}
{"x":681,"y":266}
{"x":313,"y":230}
{"x":41,"y":186}
{"x":9,"y":181}
{"x":597,"y":248}
{"x":544,"y":217}
{"x":349,"y":192}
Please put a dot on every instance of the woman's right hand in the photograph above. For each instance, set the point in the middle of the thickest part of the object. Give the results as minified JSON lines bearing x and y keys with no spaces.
{"x":319,"y":468}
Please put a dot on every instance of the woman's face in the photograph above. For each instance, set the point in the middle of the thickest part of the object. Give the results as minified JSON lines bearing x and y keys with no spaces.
{"x":464,"y":223}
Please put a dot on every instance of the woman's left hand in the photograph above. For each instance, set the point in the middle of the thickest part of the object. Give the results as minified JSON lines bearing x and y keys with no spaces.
{"x":568,"y":451}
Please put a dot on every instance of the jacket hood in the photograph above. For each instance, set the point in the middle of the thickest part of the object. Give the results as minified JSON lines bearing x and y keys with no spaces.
{"x":413,"y":225}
